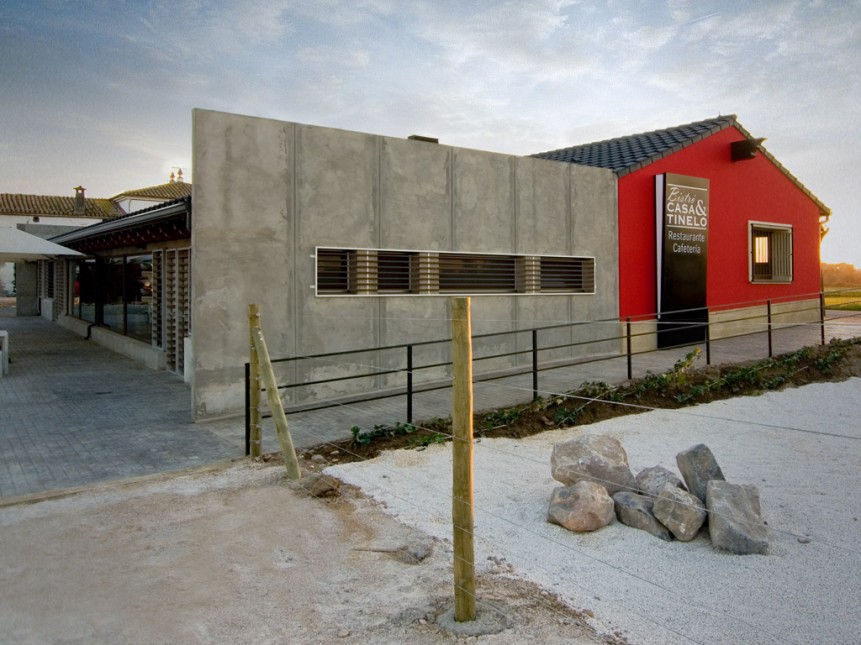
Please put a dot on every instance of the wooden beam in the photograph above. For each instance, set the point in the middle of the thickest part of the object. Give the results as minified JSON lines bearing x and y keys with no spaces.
{"x":462,"y":511}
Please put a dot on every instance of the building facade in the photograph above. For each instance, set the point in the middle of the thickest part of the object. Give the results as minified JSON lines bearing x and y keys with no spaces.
{"x":350,"y":241}
{"x":755,"y":249}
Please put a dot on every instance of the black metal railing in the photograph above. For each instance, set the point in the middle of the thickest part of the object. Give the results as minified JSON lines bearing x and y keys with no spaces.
{"x":400,"y":359}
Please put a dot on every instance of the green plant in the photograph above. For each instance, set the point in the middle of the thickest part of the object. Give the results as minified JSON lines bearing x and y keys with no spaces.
{"x":594,"y":389}
{"x":381,"y":431}
{"x":500,"y":418}
{"x":425,"y":440}
{"x":359,"y":437}
{"x":565,"y":417}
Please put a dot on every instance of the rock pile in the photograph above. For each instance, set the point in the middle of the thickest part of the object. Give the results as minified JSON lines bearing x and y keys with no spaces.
{"x":598,"y":485}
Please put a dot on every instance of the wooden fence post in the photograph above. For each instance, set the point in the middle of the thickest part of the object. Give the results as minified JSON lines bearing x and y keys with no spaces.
{"x":462,"y":479}
{"x":288,"y":452}
{"x":254,"y":381}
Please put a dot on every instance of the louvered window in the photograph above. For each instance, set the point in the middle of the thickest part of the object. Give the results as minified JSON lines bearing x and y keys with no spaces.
{"x":385,"y":272}
{"x":474,"y":273}
{"x":567,"y":275}
{"x":394,"y":271}
{"x":333,"y":271}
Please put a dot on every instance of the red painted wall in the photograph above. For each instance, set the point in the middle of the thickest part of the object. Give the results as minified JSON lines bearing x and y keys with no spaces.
{"x":739,"y":192}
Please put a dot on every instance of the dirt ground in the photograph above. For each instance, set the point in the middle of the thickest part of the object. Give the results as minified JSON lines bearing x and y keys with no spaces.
{"x":236,"y":555}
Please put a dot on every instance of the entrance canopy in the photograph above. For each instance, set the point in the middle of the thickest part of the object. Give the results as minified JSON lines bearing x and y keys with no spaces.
{"x":18,"y":246}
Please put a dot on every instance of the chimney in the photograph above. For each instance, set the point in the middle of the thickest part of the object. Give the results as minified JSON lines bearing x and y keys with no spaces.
{"x":179,"y":175}
{"x":80,"y":203}
{"x":172,"y":178}
{"x":418,"y":137}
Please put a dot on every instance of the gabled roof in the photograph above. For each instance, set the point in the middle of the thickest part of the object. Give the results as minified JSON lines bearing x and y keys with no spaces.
{"x":55,"y":206}
{"x":625,"y":155}
{"x":169,"y":191}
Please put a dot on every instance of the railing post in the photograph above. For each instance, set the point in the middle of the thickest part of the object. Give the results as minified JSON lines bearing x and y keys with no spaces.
{"x":628,"y":349}
{"x":409,"y":383}
{"x":708,"y":342}
{"x":247,"y":409}
{"x":253,"y":388}
{"x":534,"y":364}
{"x":822,"y":317}
{"x":768,"y":309}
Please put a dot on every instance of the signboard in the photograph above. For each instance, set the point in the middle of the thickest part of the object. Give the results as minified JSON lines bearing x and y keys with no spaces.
{"x":682,"y":228}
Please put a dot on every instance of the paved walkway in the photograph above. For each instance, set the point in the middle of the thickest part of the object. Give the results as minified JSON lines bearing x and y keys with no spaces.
{"x":73,"y":413}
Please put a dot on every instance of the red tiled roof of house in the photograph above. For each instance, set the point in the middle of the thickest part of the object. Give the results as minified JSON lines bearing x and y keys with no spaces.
{"x":56,"y":206}
{"x":624,"y":155}
{"x":168,"y":191}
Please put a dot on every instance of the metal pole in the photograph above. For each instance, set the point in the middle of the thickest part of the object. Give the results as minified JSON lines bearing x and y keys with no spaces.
{"x":708,"y":343}
{"x":534,"y":364}
{"x":628,"y":349}
{"x":770,"y":352}
{"x":247,"y":409}
{"x":822,"y":317}
{"x":255,"y":439}
{"x":409,"y":383}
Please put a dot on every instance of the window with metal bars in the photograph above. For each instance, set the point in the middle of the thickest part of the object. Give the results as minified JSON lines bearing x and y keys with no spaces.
{"x":770,"y":253}
{"x":333,"y":271}
{"x":475,"y":273}
{"x":394,"y":271}
{"x":567,"y":275}
{"x":382,"y":272}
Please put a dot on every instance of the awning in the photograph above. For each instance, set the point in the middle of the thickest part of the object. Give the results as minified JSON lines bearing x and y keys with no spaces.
{"x":18,"y":246}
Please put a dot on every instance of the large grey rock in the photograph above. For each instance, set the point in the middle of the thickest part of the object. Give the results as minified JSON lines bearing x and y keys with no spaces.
{"x":698,"y":467}
{"x":636,"y":511}
{"x":585,"y":506}
{"x":650,"y":481}
{"x":681,"y":512}
{"x":735,"y":520}
{"x":597,"y":458}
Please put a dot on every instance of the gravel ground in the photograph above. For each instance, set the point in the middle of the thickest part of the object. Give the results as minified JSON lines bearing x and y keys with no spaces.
{"x":800,"y":447}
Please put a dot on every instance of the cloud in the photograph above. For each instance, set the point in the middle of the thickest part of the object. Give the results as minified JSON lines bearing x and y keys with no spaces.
{"x":510,"y":76}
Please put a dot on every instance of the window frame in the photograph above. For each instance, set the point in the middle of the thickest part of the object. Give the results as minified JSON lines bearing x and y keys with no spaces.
{"x":779,"y":246}
{"x":435,"y":273}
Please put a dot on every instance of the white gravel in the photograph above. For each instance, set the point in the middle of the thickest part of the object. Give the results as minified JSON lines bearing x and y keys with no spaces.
{"x":801,"y":448}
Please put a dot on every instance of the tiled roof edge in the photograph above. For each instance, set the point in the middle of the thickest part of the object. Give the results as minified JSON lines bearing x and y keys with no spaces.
{"x":729,"y":120}
{"x":172,"y":189}
{"x":60,"y":206}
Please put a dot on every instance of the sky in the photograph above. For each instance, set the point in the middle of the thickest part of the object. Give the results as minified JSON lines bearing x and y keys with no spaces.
{"x":99,"y":93}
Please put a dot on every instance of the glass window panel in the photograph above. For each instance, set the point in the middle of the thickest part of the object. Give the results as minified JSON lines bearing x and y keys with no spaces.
{"x":138,"y":294}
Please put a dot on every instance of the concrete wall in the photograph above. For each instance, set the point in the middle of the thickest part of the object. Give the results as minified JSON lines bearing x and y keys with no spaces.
{"x":266,"y":193}
{"x":151,"y":357}
{"x":747,"y":320}
{"x":731,"y":322}
{"x":27,"y":285}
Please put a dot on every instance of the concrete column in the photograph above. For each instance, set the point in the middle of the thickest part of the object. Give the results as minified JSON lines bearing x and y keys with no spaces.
{"x":27,"y":288}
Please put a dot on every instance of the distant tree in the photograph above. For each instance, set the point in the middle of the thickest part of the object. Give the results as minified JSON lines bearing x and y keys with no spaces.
{"x":840,"y":275}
